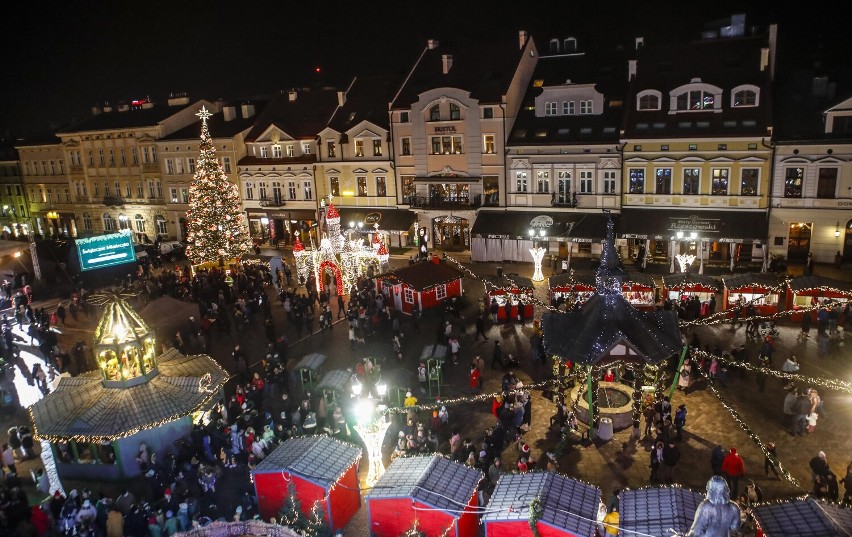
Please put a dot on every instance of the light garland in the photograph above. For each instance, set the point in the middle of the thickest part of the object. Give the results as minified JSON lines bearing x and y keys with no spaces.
{"x":832,"y":384}
{"x":723,"y":316}
{"x":536,"y":512}
{"x":216,"y":225}
{"x":460,"y":400}
{"x":782,"y":472}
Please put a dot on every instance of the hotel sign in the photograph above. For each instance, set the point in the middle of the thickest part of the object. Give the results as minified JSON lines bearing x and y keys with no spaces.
{"x":541,"y":221}
{"x":445,"y":129}
{"x":694,"y":223}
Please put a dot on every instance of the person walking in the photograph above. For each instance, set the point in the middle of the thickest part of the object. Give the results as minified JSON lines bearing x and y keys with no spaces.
{"x":733,"y":468}
{"x":480,"y":329}
{"x":474,"y":378}
{"x":656,"y":461}
{"x":680,"y":421}
{"x":671,"y":456}
{"x":769,"y":460}
{"x":497,"y":356}
{"x":421,"y":377}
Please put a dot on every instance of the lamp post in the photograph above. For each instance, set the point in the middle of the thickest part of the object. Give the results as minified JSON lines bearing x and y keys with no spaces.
{"x":371,"y":426}
{"x":537,"y":253}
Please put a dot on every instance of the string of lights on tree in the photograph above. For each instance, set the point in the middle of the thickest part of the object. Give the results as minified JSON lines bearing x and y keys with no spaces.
{"x":833,"y":384}
{"x":216,"y":225}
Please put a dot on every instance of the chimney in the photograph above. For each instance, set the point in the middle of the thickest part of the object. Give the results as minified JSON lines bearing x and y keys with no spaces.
{"x":773,"y":46}
{"x":639,"y":42}
{"x":631,"y":69}
{"x":291,"y":95}
{"x":341,"y":98}
{"x":107,"y":107}
{"x":522,"y":39}
{"x":432,"y":44}
{"x":247,"y":110}
{"x":446,"y":62}
{"x":96,"y":110}
{"x":229,"y":112}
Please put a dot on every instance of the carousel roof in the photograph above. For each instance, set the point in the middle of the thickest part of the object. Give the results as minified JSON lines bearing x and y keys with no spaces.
{"x":81,"y":408}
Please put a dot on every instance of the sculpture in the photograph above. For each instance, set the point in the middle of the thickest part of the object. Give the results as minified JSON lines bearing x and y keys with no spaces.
{"x":717,"y":515}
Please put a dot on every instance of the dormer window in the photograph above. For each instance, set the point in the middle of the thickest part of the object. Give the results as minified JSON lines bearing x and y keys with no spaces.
{"x":695,"y":100}
{"x":569,"y":45}
{"x":550,"y":108}
{"x":291,"y":151}
{"x":359,"y":148}
{"x":306,"y":148}
{"x":648,"y":100}
{"x":554,"y":46}
{"x":276,"y":151}
{"x":746,"y":95}
{"x":435,"y":113}
{"x":264,"y":152}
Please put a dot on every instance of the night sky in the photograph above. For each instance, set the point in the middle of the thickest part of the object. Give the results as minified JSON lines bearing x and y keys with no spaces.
{"x":60,"y":60}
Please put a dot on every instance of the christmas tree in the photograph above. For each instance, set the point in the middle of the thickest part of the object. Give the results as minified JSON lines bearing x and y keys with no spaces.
{"x":216,"y":227}
{"x":317,"y":525}
{"x":291,"y":512}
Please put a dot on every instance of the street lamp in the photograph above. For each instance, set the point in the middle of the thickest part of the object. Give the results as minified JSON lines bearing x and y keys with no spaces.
{"x":836,"y":229}
{"x":371,"y":425}
{"x":537,"y":253}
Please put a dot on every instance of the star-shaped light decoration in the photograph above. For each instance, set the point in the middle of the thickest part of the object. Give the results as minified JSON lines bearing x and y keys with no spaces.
{"x":204,"y":114}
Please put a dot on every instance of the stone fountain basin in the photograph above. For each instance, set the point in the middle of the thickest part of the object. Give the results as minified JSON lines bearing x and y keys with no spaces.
{"x":621,"y":416}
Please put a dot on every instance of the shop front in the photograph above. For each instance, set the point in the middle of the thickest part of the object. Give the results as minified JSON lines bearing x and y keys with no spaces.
{"x":501,"y":235}
{"x":761,"y":290}
{"x":639,"y":290}
{"x":570,"y":288}
{"x":279,"y":226}
{"x":689,"y":239}
{"x":809,"y":291}
{"x":396,"y":226}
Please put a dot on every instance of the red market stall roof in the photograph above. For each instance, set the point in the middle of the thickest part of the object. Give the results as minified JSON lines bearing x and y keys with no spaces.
{"x":424,"y":275}
{"x":656,"y":511}
{"x":820,"y":286}
{"x":804,"y":518}
{"x":761,"y":281}
{"x":319,"y":459}
{"x":637,"y":281}
{"x":566,"y":503}
{"x":572,"y":282}
{"x":691,"y":283}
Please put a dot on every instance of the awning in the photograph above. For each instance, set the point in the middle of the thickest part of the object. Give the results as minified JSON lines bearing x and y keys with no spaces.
{"x":443,"y":179}
{"x":388,"y":219}
{"x":716,"y":226}
{"x":575,"y":226}
{"x":293,"y":214}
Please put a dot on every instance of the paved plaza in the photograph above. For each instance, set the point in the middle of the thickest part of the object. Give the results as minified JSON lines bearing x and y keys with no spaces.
{"x":621,"y":462}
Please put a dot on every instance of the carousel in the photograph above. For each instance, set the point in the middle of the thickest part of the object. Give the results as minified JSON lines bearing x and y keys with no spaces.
{"x":99,"y":422}
{"x":610,"y":351}
{"x":338,"y":261}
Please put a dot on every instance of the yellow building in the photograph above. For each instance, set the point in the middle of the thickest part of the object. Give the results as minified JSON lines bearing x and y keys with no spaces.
{"x":14,"y":218}
{"x":697,"y":158}
{"x":45,"y":179}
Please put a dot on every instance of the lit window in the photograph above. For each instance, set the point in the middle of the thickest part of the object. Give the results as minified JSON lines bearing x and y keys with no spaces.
{"x":290,"y":150}
{"x":720,"y":182}
{"x":308,"y":189}
{"x":749,"y":178}
{"x":334,"y":186}
{"x":362,"y":185}
{"x":521,"y":181}
{"x":405,"y":144}
{"x":488,"y":143}
{"x":264,"y":151}
{"x":381,"y":186}
{"x":331,"y":148}
{"x":377,"y":148}
{"x":359,"y":148}
{"x":276,"y":151}
{"x":637,"y":180}
{"x":542,"y":178}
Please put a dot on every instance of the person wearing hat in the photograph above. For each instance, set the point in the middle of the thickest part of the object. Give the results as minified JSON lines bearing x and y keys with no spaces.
{"x":819,"y":466}
{"x":171,"y":525}
{"x":733,"y":468}
{"x":410,"y":400}
{"x":87,"y":513}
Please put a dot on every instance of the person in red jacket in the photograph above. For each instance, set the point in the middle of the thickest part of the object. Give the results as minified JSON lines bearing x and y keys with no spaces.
{"x":474,"y":378}
{"x":734,"y":468}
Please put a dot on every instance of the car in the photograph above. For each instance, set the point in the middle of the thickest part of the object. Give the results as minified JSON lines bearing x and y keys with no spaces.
{"x":172,"y":250}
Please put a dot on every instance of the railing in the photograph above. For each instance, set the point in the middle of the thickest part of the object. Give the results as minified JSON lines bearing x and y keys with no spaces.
{"x":265,"y":202}
{"x":441,"y":203}
{"x":113,"y":201}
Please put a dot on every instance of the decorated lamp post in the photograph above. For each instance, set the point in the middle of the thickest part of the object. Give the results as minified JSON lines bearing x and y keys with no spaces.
{"x":537,"y":253}
{"x":371,"y":426}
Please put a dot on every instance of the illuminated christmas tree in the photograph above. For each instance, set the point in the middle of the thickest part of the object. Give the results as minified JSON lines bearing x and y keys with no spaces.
{"x":216,"y":226}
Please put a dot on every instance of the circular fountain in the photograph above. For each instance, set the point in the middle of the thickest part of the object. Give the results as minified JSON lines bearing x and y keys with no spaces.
{"x":615,"y":401}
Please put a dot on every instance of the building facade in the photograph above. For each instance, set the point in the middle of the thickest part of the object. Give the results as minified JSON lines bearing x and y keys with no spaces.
{"x":45,"y":179}
{"x":115,"y":173}
{"x":563,"y":156}
{"x":697,"y":158}
{"x":14,"y":218}
{"x":277,"y":173}
{"x":811,"y":209}
{"x":449,"y":122}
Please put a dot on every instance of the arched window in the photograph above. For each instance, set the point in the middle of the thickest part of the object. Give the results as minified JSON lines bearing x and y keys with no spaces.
{"x":123,"y":221}
{"x":648,"y":100}
{"x":745,"y":95}
{"x":87,"y":221}
{"x":695,"y":96}
{"x":435,"y":113}
{"x":140,"y":223}
{"x":162,"y":228}
{"x":109,"y":222}
{"x":554,"y":46}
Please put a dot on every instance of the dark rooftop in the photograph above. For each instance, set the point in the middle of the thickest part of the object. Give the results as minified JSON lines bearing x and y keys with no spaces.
{"x":751,"y":279}
{"x":685,"y":280}
{"x":433,"y":480}
{"x":804,"y":518}
{"x":219,"y":128}
{"x":301,"y":118}
{"x":133,"y":118}
{"x":483,"y":69}
{"x":426,"y":274}
{"x":366,"y":100}
{"x":657,"y":511}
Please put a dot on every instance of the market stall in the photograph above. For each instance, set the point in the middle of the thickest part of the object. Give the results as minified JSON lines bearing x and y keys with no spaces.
{"x":657,"y":510}
{"x":807,"y":291}
{"x":437,"y":494}
{"x":426,"y":284}
{"x":762,"y":290}
{"x":639,"y":290}
{"x":678,"y":286}
{"x":571,"y":288}
{"x":514,"y":290}
{"x":805,"y":517}
{"x":569,"y":508}
{"x":320,"y":468}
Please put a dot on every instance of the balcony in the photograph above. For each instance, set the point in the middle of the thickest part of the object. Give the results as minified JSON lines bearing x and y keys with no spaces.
{"x":266,"y":202}
{"x":423,"y":202}
{"x":113,"y":201}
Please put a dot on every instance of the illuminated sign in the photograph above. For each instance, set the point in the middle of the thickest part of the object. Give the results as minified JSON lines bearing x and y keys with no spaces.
{"x":448,"y":128}
{"x":372,"y":218}
{"x":105,"y":251}
{"x":541,"y":221}
{"x":694,"y":223}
